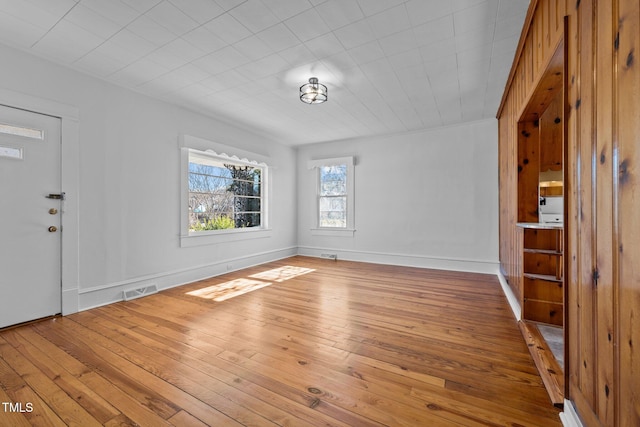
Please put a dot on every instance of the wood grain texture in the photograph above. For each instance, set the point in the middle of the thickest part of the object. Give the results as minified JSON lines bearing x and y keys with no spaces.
{"x":528,"y":171}
{"x":551,"y":128}
{"x":605,"y":292}
{"x":626,"y":185}
{"x":602,"y":88}
{"x":548,"y":366}
{"x":520,"y":109}
{"x":543,"y":276}
{"x":509,"y":247}
{"x":586,"y":357}
{"x":324,"y":343}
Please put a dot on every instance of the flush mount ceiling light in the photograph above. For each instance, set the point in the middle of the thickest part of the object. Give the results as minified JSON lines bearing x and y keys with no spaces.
{"x":313,"y":92}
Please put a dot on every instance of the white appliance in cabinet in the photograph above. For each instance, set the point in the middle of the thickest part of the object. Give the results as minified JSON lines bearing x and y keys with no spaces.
{"x":552,"y":209}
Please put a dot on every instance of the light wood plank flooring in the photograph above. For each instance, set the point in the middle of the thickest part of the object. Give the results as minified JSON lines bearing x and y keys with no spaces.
{"x":314,"y":343}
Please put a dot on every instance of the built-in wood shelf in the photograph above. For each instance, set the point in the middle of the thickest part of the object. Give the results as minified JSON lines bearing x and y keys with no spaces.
{"x":545,"y":277}
{"x":542,"y":251}
{"x":542,"y":275}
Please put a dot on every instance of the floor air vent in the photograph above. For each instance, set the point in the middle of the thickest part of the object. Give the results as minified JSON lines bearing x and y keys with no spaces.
{"x":139,"y":292}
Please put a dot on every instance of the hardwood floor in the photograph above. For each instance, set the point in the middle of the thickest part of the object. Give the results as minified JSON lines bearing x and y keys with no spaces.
{"x":316,"y":342}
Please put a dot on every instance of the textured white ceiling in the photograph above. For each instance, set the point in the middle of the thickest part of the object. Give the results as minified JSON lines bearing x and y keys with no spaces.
{"x":391,"y":66}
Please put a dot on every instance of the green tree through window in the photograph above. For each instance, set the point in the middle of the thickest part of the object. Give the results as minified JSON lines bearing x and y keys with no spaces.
{"x":223,"y":195}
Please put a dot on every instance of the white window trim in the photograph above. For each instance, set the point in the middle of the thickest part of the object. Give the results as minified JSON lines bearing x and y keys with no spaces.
{"x":349,"y":230}
{"x":190,"y":144}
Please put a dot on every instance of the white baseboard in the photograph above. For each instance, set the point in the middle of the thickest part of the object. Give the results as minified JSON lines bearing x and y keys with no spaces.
{"x":421,"y":261}
{"x":511,"y":298}
{"x":98,"y":296}
{"x":570,"y":417}
{"x":69,"y":301}
{"x":113,"y":292}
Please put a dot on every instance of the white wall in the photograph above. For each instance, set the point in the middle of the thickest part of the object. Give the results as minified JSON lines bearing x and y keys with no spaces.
{"x":129,"y":183}
{"x":426,"y":199}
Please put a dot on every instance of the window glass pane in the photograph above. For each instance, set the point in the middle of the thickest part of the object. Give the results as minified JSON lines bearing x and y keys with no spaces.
{"x":223,"y":195}
{"x":333,"y":203}
{"x":333,"y":219}
{"x":333,"y":188}
{"x":247,"y":219}
{"x":247,"y":204}
{"x":333,"y":211}
{"x":333,"y":180}
{"x":257,"y":184}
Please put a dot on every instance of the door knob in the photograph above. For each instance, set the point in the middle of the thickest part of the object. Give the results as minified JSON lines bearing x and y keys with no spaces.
{"x":53,"y":229}
{"x":53,"y":211}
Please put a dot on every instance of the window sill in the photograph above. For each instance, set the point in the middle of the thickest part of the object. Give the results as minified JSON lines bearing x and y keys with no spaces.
{"x":334,"y":232}
{"x":223,"y":236}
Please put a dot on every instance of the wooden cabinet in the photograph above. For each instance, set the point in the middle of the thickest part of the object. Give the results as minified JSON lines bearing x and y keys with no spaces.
{"x":542,"y":277}
{"x":600,"y":72}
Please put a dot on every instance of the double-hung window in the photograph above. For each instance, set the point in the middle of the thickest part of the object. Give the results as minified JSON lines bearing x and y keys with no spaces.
{"x":223,"y":193}
{"x":334,"y":196}
{"x":224,"y":198}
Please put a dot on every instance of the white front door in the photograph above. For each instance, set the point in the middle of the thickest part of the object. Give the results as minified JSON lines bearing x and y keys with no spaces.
{"x":30,"y":216}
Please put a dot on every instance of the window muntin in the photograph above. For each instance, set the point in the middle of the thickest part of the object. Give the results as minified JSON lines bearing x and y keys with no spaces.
{"x":332,"y":197}
{"x":224,"y":194}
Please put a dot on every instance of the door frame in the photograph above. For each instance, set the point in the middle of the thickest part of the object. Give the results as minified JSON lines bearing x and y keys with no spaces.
{"x":69,"y":169}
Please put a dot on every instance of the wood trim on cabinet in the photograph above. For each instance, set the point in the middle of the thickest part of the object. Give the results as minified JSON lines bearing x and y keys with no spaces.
{"x":601,"y":193}
{"x":516,"y":59}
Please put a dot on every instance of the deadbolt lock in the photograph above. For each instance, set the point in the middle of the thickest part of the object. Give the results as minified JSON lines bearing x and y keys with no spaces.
{"x":55,"y":196}
{"x":53,"y":211}
{"x":53,"y":229}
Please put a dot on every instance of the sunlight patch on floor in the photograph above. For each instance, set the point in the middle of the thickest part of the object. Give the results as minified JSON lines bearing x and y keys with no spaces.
{"x":230,"y":289}
{"x":282,"y":273}
{"x":237,"y":287}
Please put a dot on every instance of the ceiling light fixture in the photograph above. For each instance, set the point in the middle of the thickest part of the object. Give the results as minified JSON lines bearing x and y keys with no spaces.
{"x":313,"y":92}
